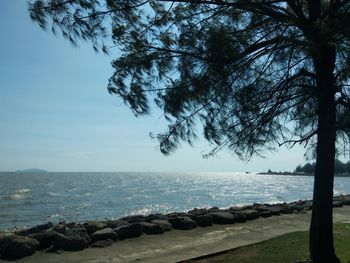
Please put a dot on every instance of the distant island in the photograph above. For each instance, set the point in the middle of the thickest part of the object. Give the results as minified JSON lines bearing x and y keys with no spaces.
{"x":286,"y":173}
{"x":340,"y":169}
{"x":33,"y":170}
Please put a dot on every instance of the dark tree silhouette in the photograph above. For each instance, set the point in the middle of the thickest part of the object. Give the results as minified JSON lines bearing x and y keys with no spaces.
{"x":340,"y":168}
{"x":257,"y":73}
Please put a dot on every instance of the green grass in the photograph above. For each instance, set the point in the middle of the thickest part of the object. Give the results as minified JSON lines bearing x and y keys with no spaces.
{"x":287,"y":248}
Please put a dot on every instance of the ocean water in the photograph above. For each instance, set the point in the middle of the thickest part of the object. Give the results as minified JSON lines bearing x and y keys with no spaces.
{"x":28,"y":199}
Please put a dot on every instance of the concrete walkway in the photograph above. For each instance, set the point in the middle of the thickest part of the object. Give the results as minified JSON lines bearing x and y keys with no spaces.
{"x":179,"y":245}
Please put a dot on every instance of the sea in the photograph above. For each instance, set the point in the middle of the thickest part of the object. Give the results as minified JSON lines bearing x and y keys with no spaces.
{"x":28,"y":199}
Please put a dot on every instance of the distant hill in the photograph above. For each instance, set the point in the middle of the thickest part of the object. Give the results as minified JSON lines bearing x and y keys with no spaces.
{"x":33,"y":170}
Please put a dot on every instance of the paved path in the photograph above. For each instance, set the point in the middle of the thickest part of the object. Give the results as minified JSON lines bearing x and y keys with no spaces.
{"x":178,"y":245}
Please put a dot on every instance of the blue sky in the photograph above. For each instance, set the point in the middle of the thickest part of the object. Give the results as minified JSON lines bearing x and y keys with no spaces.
{"x":56,"y":113}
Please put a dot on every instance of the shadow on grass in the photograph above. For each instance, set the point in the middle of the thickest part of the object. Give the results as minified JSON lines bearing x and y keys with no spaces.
{"x":288,"y":248}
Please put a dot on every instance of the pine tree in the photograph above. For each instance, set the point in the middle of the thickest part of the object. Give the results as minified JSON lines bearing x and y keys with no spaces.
{"x":242,"y":68}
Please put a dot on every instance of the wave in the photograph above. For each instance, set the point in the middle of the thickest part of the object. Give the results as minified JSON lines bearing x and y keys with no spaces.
{"x":83,"y":195}
{"x":18,"y":194}
{"x":53,"y":194}
{"x":22,"y":191}
{"x":14,"y":197}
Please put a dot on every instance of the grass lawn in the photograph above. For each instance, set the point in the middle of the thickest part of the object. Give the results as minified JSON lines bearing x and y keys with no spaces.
{"x":287,"y":248}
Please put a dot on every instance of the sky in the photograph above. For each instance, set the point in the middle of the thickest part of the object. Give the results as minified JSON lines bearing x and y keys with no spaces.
{"x":56,"y":113}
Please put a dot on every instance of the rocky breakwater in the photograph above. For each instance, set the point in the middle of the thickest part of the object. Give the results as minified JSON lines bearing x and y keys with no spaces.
{"x":77,"y":236}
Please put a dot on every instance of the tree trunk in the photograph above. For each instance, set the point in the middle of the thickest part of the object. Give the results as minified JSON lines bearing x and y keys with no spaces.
{"x":321,"y":228}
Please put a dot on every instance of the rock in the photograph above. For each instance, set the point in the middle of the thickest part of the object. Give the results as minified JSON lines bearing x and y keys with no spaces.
{"x":214,"y":209}
{"x":128,"y":231}
{"x":182,"y":223}
{"x":345,"y":199}
{"x":151,"y":229}
{"x":164,"y":224}
{"x":197,"y":211}
{"x":106,"y":233}
{"x":203,"y":220}
{"x":15,"y":246}
{"x":115,"y":223}
{"x":286,"y":209}
{"x":239,"y":217}
{"x":34,"y":229}
{"x":235,"y":209}
{"x":134,"y":219}
{"x":92,"y":227}
{"x":45,"y":238}
{"x":307,"y":206}
{"x":260,"y":207}
{"x":337,"y":203}
{"x":275,"y":210}
{"x":176,"y":214}
{"x":265,"y":213}
{"x":222,"y":218}
{"x":337,"y":197}
{"x":74,"y":239}
{"x":61,"y":228}
{"x":152,"y":217}
{"x":297,"y":206}
{"x":251,"y":214}
{"x":103,"y":243}
{"x":73,"y":225}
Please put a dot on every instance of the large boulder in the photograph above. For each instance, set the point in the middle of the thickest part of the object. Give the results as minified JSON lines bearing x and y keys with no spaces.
{"x":74,"y":239}
{"x":275,"y":210}
{"x":234,"y":209}
{"x":345,"y":199}
{"x":92,"y":226}
{"x":297,"y":206}
{"x":115,"y":223}
{"x":151,"y":228}
{"x":251,"y":214}
{"x":15,"y":246}
{"x":176,"y":214}
{"x":182,"y":223}
{"x":197,"y":211}
{"x":307,"y":205}
{"x":222,"y":218}
{"x":337,"y":203}
{"x":128,"y":231}
{"x":35,"y":229}
{"x":265,"y":214}
{"x":260,"y":207}
{"x":134,"y":219}
{"x":152,"y":217}
{"x":286,"y":209}
{"x":71,"y":225}
{"x":239,"y":217}
{"x":203,"y":220}
{"x":214,"y":209}
{"x":106,"y":233}
{"x":60,"y":228}
{"x":164,"y":224}
{"x":45,"y":238}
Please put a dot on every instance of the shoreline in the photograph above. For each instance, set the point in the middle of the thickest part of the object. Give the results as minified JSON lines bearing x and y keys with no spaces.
{"x":179,"y":246}
{"x":73,"y":236}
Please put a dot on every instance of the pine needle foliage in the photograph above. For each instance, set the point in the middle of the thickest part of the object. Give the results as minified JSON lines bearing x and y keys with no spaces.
{"x":244,"y":69}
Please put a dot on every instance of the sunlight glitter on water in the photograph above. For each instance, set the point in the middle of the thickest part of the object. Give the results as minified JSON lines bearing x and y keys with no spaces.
{"x":63,"y":196}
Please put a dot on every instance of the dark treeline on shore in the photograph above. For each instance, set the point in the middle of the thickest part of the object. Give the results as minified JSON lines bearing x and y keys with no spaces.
{"x":340,"y":168}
